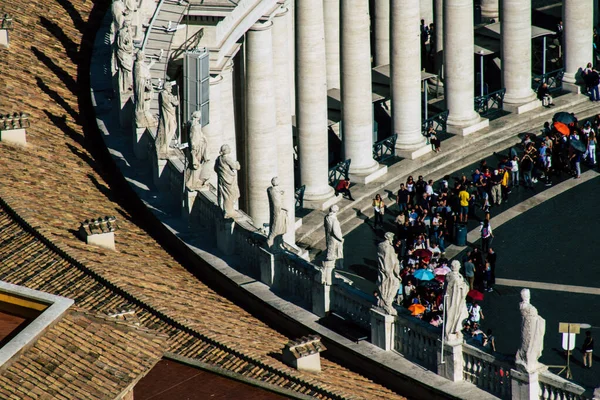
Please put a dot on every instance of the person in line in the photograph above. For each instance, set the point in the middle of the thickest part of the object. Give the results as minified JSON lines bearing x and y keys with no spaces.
{"x":588,"y":349}
{"x":486,"y":236}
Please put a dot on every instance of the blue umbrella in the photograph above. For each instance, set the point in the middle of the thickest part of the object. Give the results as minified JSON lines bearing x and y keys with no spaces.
{"x":424,"y":275}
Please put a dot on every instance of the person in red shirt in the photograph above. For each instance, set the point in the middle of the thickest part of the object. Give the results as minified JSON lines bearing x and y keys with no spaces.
{"x":343,"y":187}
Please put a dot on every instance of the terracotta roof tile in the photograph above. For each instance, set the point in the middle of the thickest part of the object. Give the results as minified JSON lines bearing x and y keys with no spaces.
{"x":55,"y":183}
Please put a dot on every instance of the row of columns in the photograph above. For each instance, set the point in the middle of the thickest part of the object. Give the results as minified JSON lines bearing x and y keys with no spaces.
{"x":332,"y":56}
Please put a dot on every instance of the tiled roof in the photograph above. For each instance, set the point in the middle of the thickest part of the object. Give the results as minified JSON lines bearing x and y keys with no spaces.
{"x":65,"y":364}
{"x":54,"y":184}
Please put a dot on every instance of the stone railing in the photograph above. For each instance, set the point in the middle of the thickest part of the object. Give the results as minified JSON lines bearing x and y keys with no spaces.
{"x":553,"y":387}
{"x":486,"y":371}
{"x":416,"y":340}
{"x":352,"y":304}
{"x":295,"y":278}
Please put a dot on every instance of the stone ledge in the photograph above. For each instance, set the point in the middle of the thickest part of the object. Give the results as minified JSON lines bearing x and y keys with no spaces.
{"x":467,"y":130}
{"x":365,"y":179}
{"x":521,"y":108}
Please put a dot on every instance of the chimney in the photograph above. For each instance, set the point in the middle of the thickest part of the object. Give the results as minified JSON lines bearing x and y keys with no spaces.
{"x":303,"y":354}
{"x":5,"y":26}
{"x":99,"y":232}
{"x":12,"y":126}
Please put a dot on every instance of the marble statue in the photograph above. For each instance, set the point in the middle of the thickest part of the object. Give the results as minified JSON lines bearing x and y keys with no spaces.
{"x":533,"y":328}
{"x":167,"y":120}
{"x":228,"y":191}
{"x":124,"y":51}
{"x":456,"y":305}
{"x":117,"y":10}
{"x":388,"y":274}
{"x":143,"y":91}
{"x":196,"y":176}
{"x":130,"y":6}
{"x":278,"y":215}
{"x":334,"y":238}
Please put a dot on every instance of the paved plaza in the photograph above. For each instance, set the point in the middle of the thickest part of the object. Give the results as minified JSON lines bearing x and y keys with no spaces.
{"x":538,"y":223}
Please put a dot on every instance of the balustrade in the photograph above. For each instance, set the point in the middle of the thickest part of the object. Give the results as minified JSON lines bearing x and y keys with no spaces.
{"x":553,"y":387}
{"x":294,"y":277}
{"x":352,"y":304}
{"x":490,"y":102}
{"x":416,"y":340}
{"x":486,"y":371}
{"x":385,"y":149}
{"x":553,"y":79}
{"x":438,"y":122}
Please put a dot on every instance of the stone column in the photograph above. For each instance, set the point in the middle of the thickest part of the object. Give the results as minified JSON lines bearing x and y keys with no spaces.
{"x":261,"y":139}
{"x":228,"y":109}
{"x":405,"y":77}
{"x":516,"y":56}
{"x":459,"y":69}
{"x":382,"y":32}
{"x":214,"y":130}
{"x":332,"y":42}
{"x":357,"y":104}
{"x":285,"y":145}
{"x":578,"y":18}
{"x":490,"y":9}
{"x":292,"y":55}
{"x":311,"y":98}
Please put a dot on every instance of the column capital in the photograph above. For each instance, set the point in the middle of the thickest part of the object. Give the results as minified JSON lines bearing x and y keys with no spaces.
{"x":262,"y":26}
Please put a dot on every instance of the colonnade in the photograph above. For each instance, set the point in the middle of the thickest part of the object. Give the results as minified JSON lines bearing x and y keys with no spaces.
{"x":330,"y":41}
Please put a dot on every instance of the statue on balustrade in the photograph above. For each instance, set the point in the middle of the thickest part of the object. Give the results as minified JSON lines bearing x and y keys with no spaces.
{"x":228,"y":191}
{"x":130,"y":6}
{"x":143,"y":91}
{"x":167,"y":120}
{"x":533,"y":328}
{"x":125,"y":58}
{"x":278,"y":215}
{"x":388,"y":274}
{"x":334,"y":238}
{"x":117,"y":10}
{"x":456,"y":305}
{"x":196,"y":172}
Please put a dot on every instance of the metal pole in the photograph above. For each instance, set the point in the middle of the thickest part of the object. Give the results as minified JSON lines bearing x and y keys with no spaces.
{"x":544,"y":57}
{"x":444,"y":329}
{"x":568,"y":375}
{"x":481,"y":73}
{"x":425,"y":86}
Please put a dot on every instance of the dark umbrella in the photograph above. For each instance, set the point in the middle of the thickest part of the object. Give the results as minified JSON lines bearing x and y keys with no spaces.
{"x":564,"y":117}
{"x":578,"y":145}
{"x":422,"y":253}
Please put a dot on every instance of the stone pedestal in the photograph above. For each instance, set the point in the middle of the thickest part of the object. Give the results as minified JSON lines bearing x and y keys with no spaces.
{"x":268,"y":265}
{"x":370,"y":177}
{"x":188,"y":205}
{"x":321,"y":295}
{"x":126,"y":110}
{"x":160,"y":173}
{"x":525,"y":385}
{"x":14,"y":136}
{"x":451,"y":366}
{"x":382,"y":329}
{"x":225,"y":241}
{"x":141,"y":143}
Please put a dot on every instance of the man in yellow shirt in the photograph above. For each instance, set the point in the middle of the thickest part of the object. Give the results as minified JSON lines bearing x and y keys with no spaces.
{"x":463,"y":197}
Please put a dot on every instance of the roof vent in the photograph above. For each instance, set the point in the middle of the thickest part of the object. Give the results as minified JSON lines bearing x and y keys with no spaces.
{"x":12,"y":126}
{"x":303,"y":354}
{"x":99,"y":232}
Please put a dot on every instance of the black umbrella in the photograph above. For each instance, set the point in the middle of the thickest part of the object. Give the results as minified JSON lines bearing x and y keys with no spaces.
{"x":578,"y":145}
{"x":564,"y":117}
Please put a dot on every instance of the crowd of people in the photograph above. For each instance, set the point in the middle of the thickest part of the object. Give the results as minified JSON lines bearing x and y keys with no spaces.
{"x":429,"y":214}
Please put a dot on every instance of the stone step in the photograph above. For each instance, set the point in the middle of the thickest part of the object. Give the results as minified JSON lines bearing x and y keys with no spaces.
{"x":456,"y":155}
